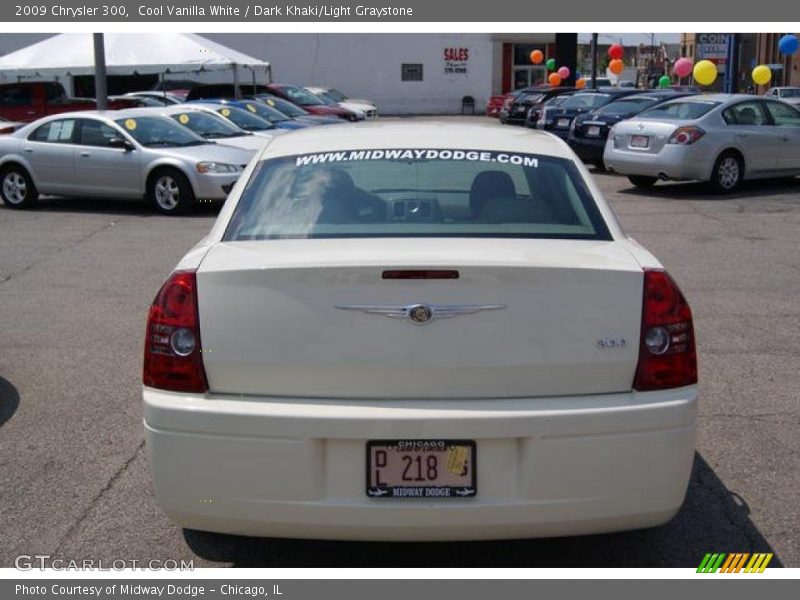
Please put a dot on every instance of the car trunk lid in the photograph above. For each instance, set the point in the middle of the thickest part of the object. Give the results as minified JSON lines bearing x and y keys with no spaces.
{"x":644,"y":136}
{"x":272,"y":324}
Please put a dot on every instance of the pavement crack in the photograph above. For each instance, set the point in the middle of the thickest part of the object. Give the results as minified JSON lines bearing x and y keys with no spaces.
{"x":69,"y":246}
{"x":109,"y":484}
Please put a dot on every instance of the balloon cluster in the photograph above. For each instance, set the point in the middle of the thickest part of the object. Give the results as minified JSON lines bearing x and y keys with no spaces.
{"x":557,"y":76}
{"x":615,"y":53}
{"x":787,"y":46}
{"x":705,"y":71}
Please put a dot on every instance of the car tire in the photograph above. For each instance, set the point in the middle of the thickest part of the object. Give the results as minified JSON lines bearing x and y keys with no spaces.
{"x":170,"y":192}
{"x":642,"y":181}
{"x":17,"y":188}
{"x":727,"y":173}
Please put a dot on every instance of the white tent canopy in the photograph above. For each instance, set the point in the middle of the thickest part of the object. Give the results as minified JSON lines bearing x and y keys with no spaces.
{"x":126,"y":54}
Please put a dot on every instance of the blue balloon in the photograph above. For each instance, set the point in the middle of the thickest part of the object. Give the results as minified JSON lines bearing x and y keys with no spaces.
{"x":577,"y":75}
{"x":788,"y":44}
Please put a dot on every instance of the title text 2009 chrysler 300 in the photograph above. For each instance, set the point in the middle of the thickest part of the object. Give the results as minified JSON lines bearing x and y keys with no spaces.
{"x":419,"y":332}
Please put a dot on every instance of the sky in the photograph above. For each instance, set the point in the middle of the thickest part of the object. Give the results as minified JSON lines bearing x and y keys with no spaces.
{"x":631,"y":39}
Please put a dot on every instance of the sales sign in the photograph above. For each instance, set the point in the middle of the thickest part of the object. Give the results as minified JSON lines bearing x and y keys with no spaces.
{"x":455,"y":61}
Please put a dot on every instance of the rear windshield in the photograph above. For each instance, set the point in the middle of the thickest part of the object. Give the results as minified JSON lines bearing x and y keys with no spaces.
{"x":416,"y":193}
{"x":627,"y":106}
{"x":680,"y":109}
{"x":586,"y":101}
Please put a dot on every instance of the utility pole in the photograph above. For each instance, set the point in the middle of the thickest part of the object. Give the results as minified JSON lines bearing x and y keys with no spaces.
{"x":594,"y":61}
{"x":100,"y":80}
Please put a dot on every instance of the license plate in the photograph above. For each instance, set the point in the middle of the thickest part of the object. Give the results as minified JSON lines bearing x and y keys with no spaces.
{"x":409,"y":469}
{"x":593,"y":131}
{"x":640,"y":141}
{"x":564,"y":123}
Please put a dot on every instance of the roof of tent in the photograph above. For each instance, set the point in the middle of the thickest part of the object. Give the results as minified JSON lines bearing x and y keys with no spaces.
{"x":126,"y":54}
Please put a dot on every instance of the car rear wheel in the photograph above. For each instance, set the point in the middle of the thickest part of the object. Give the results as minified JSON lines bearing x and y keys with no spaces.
{"x":17,"y":188}
{"x":727,"y":173}
{"x":170,"y":192}
{"x":642,"y":181}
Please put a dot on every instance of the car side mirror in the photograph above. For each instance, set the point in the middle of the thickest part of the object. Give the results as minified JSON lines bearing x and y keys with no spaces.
{"x":121,"y":143}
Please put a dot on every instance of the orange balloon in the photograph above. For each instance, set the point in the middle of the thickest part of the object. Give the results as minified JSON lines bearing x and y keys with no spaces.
{"x":580,"y":84}
{"x":616,"y":66}
{"x":537,"y":56}
{"x":554,"y":79}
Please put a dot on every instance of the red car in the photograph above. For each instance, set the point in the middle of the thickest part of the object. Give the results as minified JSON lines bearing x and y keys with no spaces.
{"x":309,"y":101}
{"x":27,"y":101}
{"x":496,"y":103}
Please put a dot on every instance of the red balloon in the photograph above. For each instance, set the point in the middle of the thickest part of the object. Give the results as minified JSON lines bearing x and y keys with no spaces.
{"x":616,"y":51}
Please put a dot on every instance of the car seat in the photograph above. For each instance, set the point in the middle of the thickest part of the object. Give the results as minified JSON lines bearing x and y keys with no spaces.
{"x":487,"y":185}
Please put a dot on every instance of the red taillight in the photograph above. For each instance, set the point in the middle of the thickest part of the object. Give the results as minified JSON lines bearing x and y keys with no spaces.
{"x":172,"y":352}
{"x":685,"y":136}
{"x":667,"y":356}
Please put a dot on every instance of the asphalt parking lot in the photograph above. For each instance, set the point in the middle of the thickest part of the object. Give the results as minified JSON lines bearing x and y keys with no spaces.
{"x":77,"y":276}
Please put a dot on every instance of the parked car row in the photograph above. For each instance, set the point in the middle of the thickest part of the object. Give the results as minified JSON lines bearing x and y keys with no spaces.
{"x":672,"y":134}
{"x":170,"y":148}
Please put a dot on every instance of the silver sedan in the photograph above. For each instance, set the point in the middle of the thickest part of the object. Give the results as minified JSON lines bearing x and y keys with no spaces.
{"x":719,"y":138}
{"x":116,"y":154}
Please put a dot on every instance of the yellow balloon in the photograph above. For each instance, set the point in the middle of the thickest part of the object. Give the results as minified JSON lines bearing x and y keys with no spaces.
{"x":762,"y":74}
{"x":705,"y":72}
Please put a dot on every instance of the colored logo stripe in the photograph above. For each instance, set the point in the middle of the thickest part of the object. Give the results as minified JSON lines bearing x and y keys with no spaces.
{"x":734,"y":563}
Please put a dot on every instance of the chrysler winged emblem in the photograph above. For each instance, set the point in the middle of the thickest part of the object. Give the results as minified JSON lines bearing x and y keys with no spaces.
{"x":420,"y":314}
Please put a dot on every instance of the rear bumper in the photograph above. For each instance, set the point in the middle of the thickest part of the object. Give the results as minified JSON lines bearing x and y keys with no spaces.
{"x":672,"y":162}
{"x":587,"y":148}
{"x":296,"y":468}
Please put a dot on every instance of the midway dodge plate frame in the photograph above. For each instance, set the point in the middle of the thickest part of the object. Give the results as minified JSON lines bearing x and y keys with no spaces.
{"x":453,"y":452}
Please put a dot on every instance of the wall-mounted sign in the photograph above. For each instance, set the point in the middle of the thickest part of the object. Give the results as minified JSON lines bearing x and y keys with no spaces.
{"x":713,"y":47}
{"x":456,"y":61}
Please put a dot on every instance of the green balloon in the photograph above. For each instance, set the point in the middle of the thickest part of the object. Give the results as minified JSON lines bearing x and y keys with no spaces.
{"x":551,"y":64}
{"x":664,"y":81}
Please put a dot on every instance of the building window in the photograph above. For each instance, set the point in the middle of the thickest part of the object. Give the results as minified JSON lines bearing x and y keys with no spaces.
{"x":411,"y":72}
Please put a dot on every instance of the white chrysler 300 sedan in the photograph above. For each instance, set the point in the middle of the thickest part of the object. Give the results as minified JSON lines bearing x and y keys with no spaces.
{"x":430,"y":331}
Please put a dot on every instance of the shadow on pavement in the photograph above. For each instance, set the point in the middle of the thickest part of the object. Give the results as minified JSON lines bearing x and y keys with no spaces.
{"x":698,"y":190}
{"x":713,"y":519}
{"x":9,"y":400}
{"x":106,"y":206}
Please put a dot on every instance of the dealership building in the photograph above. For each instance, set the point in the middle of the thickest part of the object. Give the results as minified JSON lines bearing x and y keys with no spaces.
{"x":403,"y":73}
